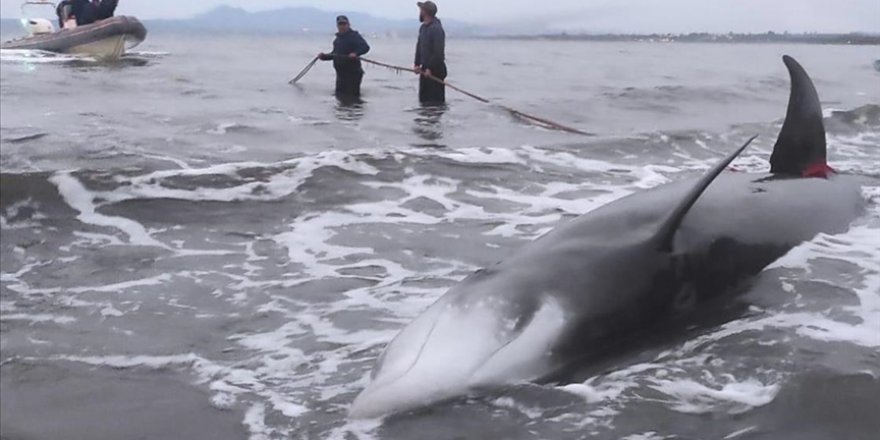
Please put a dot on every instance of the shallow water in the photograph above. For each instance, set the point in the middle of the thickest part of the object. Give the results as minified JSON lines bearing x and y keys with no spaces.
{"x":193,"y":247}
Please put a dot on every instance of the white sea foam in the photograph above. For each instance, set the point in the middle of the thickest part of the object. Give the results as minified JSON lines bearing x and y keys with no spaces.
{"x":255,"y":420}
{"x":689,"y":396}
{"x":38,"y":318}
{"x":14,"y":210}
{"x":125,"y":285}
{"x":28,"y":56}
{"x":111,"y":312}
{"x":510,"y":403}
{"x":148,"y":53}
{"x":740,"y":433}
{"x":644,"y":436}
{"x":291,"y":174}
{"x":80,"y":199}
{"x":301,"y":356}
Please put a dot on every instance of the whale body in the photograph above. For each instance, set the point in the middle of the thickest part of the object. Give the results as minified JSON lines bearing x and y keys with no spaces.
{"x":618,"y":270}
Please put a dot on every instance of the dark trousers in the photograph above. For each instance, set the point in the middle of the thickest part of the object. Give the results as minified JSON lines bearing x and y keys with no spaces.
{"x":348,"y":83}
{"x":431,"y":91}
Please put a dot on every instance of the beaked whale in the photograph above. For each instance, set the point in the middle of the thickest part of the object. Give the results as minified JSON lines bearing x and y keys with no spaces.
{"x":617,"y":270}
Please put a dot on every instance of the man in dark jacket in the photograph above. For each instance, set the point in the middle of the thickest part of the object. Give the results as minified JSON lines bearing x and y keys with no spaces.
{"x":431,"y":55}
{"x":107,"y":8}
{"x":85,"y":11}
{"x":347,"y":47}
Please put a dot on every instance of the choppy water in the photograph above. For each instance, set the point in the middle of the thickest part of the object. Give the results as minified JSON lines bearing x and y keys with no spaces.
{"x":191,"y":248}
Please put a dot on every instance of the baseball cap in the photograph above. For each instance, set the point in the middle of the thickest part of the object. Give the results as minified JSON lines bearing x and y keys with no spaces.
{"x":429,"y":7}
{"x":341,"y":19}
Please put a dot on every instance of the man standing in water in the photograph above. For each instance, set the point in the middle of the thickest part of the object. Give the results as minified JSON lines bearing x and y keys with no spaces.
{"x":431,"y":55}
{"x":347,"y":47}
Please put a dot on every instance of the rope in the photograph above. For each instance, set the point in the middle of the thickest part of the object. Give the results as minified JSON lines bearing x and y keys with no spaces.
{"x":541,"y":121}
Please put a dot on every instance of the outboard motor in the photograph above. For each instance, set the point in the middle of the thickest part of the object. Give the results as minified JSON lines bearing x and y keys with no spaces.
{"x":38,"y":26}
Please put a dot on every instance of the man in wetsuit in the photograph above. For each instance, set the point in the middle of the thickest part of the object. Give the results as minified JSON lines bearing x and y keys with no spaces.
{"x":431,"y":55}
{"x":347,"y":47}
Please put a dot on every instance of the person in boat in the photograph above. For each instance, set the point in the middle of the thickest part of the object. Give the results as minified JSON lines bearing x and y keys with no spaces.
{"x":431,"y":55}
{"x":347,"y":47}
{"x":107,"y":8}
{"x":63,"y":13}
{"x":85,"y":11}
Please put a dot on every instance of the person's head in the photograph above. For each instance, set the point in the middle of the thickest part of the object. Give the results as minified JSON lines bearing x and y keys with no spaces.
{"x":427,"y":10}
{"x":342,"y":24}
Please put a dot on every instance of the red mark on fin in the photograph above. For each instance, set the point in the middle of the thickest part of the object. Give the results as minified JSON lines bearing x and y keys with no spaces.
{"x":818,"y":169}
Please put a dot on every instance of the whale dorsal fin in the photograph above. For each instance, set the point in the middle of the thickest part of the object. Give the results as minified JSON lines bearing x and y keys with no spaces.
{"x":800,"y":149}
{"x":666,"y":234}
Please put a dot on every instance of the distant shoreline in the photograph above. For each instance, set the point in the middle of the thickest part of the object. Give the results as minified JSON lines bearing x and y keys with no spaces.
{"x":406,"y":31}
{"x":858,"y":39}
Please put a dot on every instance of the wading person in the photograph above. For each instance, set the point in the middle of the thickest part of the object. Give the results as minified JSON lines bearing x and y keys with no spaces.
{"x":347,"y":47}
{"x":431,"y":55}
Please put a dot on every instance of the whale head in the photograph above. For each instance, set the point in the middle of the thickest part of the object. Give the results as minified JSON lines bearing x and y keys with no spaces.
{"x":484,"y":332}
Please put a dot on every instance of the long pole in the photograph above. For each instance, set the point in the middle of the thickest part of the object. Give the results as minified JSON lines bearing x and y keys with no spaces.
{"x":304,"y":71}
{"x":541,"y":121}
{"x":515,"y":112}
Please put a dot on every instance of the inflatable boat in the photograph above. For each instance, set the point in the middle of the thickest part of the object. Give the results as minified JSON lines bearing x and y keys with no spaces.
{"x":108,"y":38}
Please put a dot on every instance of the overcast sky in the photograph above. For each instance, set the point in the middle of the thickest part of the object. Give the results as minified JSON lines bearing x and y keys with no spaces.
{"x":574,"y":15}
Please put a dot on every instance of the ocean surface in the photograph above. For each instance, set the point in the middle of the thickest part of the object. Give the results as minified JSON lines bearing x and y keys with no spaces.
{"x":194,"y":249}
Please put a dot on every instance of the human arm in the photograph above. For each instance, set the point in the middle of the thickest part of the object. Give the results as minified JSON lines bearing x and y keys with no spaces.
{"x":438,"y":47}
{"x":417,"y":64}
{"x":327,"y":56}
{"x":361,"y":45}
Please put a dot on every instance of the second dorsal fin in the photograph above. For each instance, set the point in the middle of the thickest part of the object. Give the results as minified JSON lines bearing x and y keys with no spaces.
{"x":666,"y":234}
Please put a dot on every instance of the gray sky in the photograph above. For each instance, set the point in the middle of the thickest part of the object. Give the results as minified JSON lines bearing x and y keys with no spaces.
{"x":574,"y":15}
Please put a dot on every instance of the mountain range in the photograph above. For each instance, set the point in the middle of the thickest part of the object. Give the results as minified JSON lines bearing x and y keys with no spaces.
{"x":307,"y":20}
{"x":294,"y":20}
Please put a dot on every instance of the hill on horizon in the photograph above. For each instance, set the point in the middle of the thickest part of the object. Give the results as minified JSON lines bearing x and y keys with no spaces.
{"x":313,"y":21}
{"x":298,"y":20}
{"x":290,"y":20}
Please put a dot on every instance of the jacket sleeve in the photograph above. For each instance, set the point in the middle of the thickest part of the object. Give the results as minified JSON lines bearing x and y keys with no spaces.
{"x":418,"y":52}
{"x":361,"y":46}
{"x":438,"y":47}
{"x":329,"y":55}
